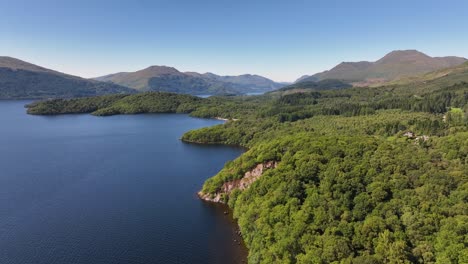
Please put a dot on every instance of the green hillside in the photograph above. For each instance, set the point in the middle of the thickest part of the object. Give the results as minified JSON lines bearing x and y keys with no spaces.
{"x":434,"y":80}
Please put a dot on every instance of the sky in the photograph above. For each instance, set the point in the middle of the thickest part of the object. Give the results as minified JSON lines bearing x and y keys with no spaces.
{"x":281,"y":40}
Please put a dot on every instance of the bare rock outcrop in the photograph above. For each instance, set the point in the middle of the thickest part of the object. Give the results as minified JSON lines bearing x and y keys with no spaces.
{"x":240,"y":184}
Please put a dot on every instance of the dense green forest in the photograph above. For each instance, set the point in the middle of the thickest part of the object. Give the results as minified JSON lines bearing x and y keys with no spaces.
{"x":364,"y":175}
{"x":150,"y":102}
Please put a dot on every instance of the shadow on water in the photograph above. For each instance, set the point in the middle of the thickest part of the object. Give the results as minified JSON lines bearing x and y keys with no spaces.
{"x":224,"y":215}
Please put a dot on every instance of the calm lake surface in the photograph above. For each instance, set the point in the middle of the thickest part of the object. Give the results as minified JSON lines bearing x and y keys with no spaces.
{"x":120,"y":189}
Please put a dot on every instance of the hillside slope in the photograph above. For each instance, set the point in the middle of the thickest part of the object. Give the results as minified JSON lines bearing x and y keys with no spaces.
{"x":23,"y":80}
{"x":433,"y":80}
{"x":394,"y":65}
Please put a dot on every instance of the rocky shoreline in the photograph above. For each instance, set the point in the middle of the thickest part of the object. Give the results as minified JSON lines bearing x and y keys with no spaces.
{"x":240,"y":184}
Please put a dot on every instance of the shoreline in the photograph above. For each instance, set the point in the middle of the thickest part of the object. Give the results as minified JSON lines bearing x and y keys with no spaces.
{"x":226,"y":210}
{"x":237,"y":243}
{"x":213,"y":144}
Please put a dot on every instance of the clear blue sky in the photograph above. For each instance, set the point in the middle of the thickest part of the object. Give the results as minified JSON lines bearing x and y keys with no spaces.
{"x":281,"y":40}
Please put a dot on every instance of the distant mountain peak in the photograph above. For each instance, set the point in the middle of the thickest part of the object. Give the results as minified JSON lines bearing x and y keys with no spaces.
{"x":210,"y":74}
{"x":405,"y":52}
{"x":157,"y":70}
{"x":398,"y":56}
{"x":394,"y":65}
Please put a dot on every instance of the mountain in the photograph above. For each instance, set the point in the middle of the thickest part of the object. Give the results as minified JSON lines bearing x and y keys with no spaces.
{"x":247,"y":81}
{"x":23,"y":80}
{"x":396,"y":64}
{"x":304,"y":77}
{"x":139,"y":80}
{"x":168,"y":79}
{"x":16,"y":64}
{"x":327,"y":84}
{"x":432,"y":81}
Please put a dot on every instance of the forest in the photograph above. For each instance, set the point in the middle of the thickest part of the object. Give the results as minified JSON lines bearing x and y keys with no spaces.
{"x":364,"y":175}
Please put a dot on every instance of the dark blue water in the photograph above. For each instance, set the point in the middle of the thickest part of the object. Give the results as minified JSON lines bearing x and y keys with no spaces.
{"x":121,"y":189}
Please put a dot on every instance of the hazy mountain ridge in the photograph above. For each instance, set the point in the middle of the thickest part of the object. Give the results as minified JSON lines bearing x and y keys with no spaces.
{"x":23,"y":80}
{"x":396,"y":64}
{"x":327,"y":84}
{"x":247,"y":80}
{"x":138,"y":80}
{"x":163,"y":78}
{"x":16,"y":64}
{"x":304,"y":77}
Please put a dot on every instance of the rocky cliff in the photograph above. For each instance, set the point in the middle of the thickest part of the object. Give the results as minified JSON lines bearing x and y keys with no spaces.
{"x":240,"y":184}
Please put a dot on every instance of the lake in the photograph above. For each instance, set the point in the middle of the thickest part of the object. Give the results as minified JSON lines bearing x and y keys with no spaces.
{"x":119,"y":189}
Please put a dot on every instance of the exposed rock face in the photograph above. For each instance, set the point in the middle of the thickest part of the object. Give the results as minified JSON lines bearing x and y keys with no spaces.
{"x":240,"y":184}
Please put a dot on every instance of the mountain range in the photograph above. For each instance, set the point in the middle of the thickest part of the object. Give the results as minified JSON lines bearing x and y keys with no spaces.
{"x":395,"y":65}
{"x":23,"y":80}
{"x":169,"y":79}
